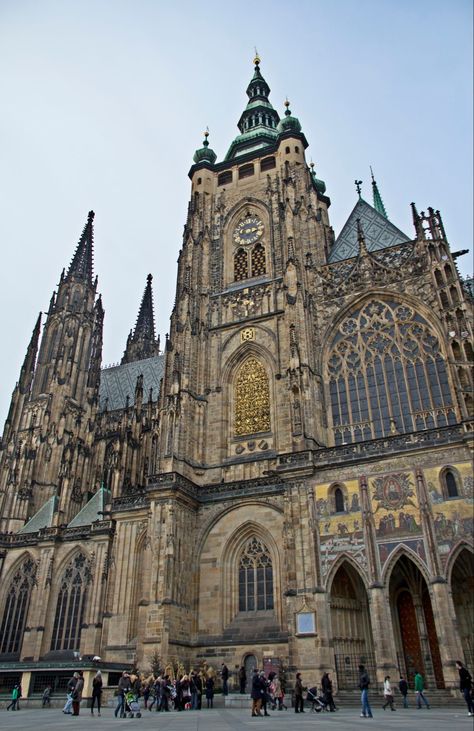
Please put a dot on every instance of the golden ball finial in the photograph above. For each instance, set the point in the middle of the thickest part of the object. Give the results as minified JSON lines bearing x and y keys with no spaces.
{"x":257,"y":59}
{"x":287,"y":103}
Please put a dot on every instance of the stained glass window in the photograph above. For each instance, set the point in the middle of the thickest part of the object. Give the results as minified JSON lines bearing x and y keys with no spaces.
{"x":16,"y":607}
{"x":71,"y":604}
{"x":387,"y":375}
{"x":252,"y":398}
{"x":255,"y":577}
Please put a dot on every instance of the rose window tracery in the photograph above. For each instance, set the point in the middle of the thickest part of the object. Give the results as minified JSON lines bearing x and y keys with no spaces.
{"x":252,"y":399}
{"x":387,"y":375}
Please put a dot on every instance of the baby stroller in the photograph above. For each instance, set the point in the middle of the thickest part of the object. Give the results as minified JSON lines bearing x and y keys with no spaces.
{"x":132,"y":706}
{"x":318,"y":703}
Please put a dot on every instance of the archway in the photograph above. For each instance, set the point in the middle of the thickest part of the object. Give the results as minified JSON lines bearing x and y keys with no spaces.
{"x":250,"y":662}
{"x":462,"y":587}
{"x":351,"y":628}
{"x":413,"y":621}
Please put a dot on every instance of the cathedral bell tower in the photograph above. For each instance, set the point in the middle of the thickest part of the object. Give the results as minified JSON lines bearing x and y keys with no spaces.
{"x":48,"y":434}
{"x":242,"y":381}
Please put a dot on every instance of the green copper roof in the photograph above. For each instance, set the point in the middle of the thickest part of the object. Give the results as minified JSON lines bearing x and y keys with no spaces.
{"x":379,"y":233}
{"x":378,"y":202}
{"x":319,"y":185}
{"x":92,"y":510}
{"x":205,"y":154}
{"x":259,"y":120}
{"x":288,"y":122}
{"x":43,"y":518}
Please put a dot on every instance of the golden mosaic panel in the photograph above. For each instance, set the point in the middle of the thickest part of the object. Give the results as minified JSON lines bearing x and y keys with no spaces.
{"x":252,"y":399}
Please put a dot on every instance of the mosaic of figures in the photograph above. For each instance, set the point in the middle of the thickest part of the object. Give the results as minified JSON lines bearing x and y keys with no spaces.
{"x":340,"y":531}
{"x":395,"y":505}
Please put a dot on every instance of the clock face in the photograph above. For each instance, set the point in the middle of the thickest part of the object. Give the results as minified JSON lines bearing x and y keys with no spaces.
{"x":248,"y":231}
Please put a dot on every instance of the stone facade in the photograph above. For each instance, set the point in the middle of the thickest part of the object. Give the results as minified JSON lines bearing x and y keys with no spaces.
{"x":301,"y":489}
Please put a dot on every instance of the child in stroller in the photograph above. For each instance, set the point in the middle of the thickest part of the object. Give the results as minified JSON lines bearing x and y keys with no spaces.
{"x":132,"y":706}
{"x":318,"y":703}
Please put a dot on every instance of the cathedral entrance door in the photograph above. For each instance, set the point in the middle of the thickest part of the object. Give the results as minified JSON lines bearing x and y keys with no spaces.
{"x":351,"y":628}
{"x":462,"y":586}
{"x":414,"y":626}
{"x":250,"y":663}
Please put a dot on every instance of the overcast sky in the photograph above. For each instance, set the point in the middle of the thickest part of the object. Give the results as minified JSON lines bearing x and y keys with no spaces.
{"x":103,"y":103}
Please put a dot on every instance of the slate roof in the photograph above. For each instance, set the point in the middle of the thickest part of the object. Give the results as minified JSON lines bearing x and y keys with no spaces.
{"x":91,"y":510}
{"x":379,"y":233}
{"x":118,"y":382}
{"x":43,"y":518}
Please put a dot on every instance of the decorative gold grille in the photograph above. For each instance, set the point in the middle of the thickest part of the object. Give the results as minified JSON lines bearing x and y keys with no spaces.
{"x":241,"y":265}
{"x":258,"y":260}
{"x":252,"y":399}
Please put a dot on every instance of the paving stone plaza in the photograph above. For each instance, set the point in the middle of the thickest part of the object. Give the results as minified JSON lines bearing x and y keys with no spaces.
{"x":221,"y":719}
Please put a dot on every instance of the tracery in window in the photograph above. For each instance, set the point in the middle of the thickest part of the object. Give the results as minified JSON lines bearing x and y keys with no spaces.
{"x":258,"y":260}
{"x":252,"y":398}
{"x":16,"y":607}
{"x":241,"y":265}
{"x":255,"y":577}
{"x":387,"y":375}
{"x":71,"y":604}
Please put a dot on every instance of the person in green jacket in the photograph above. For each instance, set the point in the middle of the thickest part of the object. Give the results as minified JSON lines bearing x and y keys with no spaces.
{"x":14,"y":705}
{"x":419,"y":688}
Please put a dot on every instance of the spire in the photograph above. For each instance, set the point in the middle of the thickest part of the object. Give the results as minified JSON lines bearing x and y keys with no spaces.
{"x":258,"y":122}
{"x":141,"y":343}
{"x":378,"y":202}
{"x":81,"y":265}
{"x":289,"y":122}
{"x":28,"y":367}
{"x":205,"y":153}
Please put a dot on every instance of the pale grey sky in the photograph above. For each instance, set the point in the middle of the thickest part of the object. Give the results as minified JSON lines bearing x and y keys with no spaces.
{"x":103,"y":103}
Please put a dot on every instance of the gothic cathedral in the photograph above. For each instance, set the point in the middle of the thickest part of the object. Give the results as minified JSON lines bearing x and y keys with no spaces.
{"x":289,"y":482}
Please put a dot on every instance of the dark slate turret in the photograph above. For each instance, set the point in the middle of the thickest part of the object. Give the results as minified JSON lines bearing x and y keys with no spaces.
{"x":28,"y":367}
{"x":141,"y":343}
{"x":81,"y":265}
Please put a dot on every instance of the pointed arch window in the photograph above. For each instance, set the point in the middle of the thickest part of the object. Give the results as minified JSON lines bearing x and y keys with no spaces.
{"x":387,"y":375}
{"x":16,"y":608}
{"x":338,"y":500}
{"x":258,"y":260}
{"x":70,"y":607}
{"x":252,"y":399}
{"x":241,"y":265}
{"x":255,"y":577}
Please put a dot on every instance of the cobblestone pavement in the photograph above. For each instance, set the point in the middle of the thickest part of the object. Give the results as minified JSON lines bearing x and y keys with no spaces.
{"x":233,"y":720}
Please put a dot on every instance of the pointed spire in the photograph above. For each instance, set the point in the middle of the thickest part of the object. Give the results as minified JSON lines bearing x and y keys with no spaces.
{"x":142,"y":342}
{"x":28,"y":367}
{"x":82,"y":261}
{"x":378,"y":202}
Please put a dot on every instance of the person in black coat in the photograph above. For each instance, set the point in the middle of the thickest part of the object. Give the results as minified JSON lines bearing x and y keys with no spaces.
{"x":256,"y":693}
{"x":326,"y":687}
{"x":465,"y":686}
{"x":242,"y":680}
{"x":403,"y":688}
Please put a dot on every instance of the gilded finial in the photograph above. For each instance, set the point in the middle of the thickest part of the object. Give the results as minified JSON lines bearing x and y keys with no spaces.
{"x":257,"y":59}
{"x":287,"y":110}
{"x":206,"y":135}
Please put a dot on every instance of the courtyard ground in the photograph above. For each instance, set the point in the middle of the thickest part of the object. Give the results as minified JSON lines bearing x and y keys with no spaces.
{"x":221,"y":719}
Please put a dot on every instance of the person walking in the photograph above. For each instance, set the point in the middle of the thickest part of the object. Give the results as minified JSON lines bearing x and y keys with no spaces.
{"x":326,"y":687}
{"x":403,"y":688}
{"x":419,"y":690}
{"x":242,"y":680}
{"x":122,"y":688}
{"x":77,"y":694}
{"x":225,"y":679}
{"x":264,"y":689}
{"x":299,"y":702}
{"x":210,"y":692}
{"x":465,"y":686}
{"x":13,"y":705}
{"x":70,"y":689}
{"x":97,"y":684}
{"x":388,"y":694}
{"x":364,"y":683}
{"x":46,"y":699}
{"x":256,"y":693}
{"x":195,"y":685}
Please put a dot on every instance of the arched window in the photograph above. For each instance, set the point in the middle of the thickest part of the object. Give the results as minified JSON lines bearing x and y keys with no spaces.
{"x":71,"y":604}
{"x":439,"y":278}
{"x":287,"y":150}
{"x":338,"y":500}
{"x":241,"y":265}
{"x":255,"y":577}
{"x":16,"y":607}
{"x":387,"y":375}
{"x":449,"y":484}
{"x":252,"y":399}
{"x":258,"y":260}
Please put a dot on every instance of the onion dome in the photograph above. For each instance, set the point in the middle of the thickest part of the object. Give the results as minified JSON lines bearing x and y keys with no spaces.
{"x":288,"y":122}
{"x":319,"y":185}
{"x":205,"y":153}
